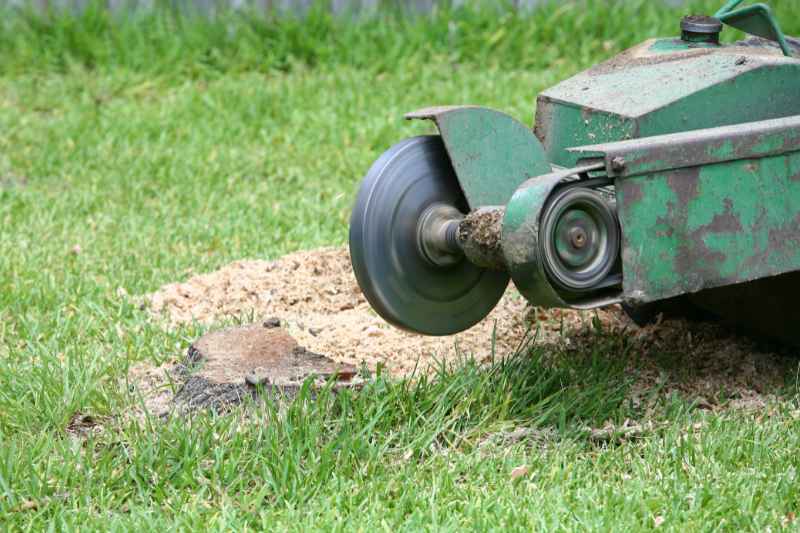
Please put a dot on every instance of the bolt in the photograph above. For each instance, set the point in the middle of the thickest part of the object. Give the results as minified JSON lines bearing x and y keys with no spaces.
{"x":617,"y":164}
{"x":577,"y":237}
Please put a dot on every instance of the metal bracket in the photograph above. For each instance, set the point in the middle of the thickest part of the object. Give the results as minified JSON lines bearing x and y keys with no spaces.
{"x":756,"y":19}
{"x":648,"y":155}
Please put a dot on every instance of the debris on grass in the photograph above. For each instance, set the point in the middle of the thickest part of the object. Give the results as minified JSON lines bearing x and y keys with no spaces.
{"x":9,"y":179}
{"x":81,"y":424}
{"x":531,"y":437}
{"x":25,"y":505}
{"x":708,"y":364}
{"x":155,"y":387}
{"x":314,"y":296}
{"x":613,"y":433}
{"x":520,"y":471}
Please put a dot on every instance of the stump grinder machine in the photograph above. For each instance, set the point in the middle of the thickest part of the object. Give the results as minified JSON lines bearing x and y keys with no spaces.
{"x":666,"y":179}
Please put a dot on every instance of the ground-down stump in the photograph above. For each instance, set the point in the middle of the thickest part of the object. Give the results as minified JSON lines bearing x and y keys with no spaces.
{"x":224,"y":367}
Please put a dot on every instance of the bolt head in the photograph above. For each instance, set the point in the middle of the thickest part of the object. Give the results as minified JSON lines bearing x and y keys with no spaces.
{"x":577,"y":237}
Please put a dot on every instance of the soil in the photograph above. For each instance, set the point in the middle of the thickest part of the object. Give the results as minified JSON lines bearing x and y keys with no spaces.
{"x":313,"y":295}
{"x":479,"y":234}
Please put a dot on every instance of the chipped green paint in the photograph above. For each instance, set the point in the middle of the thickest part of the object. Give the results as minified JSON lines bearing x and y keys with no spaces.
{"x":723,"y":151}
{"x":492,"y":153}
{"x":569,"y":126}
{"x":646,"y":92}
{"x":666,"y":46}
{"x":636,"y":235}
{"x":696,"y":228}
{"x":520,"y":240}
{"x":697,"y":147}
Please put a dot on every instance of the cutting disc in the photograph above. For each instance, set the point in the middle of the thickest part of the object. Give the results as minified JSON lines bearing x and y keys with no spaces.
{"x":404,"y":287}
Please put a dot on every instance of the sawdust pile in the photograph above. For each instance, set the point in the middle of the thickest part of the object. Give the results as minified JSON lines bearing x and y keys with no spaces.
{"x":315,"y":296}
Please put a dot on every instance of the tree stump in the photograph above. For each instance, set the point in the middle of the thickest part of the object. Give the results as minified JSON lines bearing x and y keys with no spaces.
{"x":223,"y":368}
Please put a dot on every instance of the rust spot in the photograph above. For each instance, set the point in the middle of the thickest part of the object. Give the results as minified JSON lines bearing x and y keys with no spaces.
{"x":695,"y":260}
{"x":727,"y":222}
{"x":786,"y":237}
{"x":780,"y":242}
{"x":631,"y":192}
{"x":666,"y":223}
{"x":684,"y":184}
{"x":770,"y":47}
{"x":543,"y":119}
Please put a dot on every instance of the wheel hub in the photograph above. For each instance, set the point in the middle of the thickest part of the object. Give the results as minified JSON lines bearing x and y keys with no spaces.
{"x":580,"y":238}
{"x":437,"y":235}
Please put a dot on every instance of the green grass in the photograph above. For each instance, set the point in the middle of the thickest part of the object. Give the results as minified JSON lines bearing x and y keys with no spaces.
{"x":564,"y":37}
{"x":135,"y":152}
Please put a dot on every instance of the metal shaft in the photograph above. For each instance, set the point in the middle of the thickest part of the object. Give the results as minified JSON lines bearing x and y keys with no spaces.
{"x":446,"y":236}
{"x":437,"y":232}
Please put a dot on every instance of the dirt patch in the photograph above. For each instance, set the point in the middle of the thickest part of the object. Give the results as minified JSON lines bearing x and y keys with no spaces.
{"x":708,"y":363}
{"x":82,"y":425}
{"x":154,"y":387}
{"x":479,"y":234}
{"x":314,"y":296}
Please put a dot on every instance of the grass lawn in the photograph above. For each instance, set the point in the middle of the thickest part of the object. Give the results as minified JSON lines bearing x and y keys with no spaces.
{"x":134,"y":153}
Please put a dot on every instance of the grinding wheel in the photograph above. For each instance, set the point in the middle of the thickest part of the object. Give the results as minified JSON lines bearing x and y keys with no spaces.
{"x":399,"y":281}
